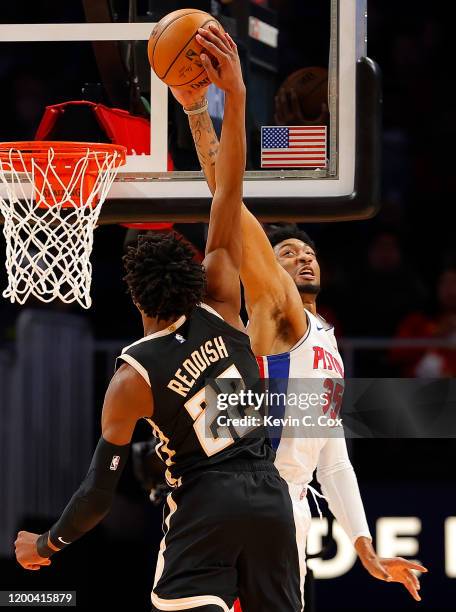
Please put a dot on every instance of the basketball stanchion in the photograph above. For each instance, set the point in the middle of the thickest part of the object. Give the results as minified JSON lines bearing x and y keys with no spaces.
{"x":53,"y":194}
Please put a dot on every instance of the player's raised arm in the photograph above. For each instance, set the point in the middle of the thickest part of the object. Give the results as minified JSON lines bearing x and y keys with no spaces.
{"x":268,"y":288}
{"x":206,"y":141}
{"x":273,"y":304}
{"x":128,"y":398}
{"x":224,"y":243}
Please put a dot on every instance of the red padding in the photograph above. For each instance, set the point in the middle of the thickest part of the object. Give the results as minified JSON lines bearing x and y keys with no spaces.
{"x":121,"y":128}
{"x":119,"y":125}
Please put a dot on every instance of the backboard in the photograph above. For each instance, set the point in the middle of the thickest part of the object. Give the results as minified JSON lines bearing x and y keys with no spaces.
{"x":346,"y":187}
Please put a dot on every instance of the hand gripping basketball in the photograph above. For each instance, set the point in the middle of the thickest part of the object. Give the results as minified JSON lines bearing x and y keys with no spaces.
{"x":190,"y":98}
{"x":221,"y":60}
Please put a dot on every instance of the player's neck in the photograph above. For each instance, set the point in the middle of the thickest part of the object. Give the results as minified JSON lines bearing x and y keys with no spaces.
{"x":309,"y":303}
{"x":152,"y":325}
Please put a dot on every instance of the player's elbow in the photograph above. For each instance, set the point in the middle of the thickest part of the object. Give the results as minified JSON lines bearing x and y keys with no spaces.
{"x":102,"y":502}
{"x":326,"y":471}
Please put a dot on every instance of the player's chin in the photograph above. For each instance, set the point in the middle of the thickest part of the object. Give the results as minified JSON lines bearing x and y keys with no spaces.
{"x":312,"y":288}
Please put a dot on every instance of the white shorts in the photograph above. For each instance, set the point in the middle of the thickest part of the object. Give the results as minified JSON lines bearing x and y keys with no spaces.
{"x":302,"y":517}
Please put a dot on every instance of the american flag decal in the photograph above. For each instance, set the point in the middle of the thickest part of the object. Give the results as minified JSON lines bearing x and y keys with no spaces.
{"x":293,"y":146}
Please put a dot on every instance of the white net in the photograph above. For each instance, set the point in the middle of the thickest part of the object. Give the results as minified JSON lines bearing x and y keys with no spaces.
{"x":49,"y":222}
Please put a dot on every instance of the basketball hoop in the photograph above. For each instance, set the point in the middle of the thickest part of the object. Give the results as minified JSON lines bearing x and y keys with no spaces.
{"x":52,"y":198}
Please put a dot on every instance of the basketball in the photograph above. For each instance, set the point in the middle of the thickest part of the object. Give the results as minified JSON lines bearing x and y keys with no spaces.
{"x":174,"y":54}
{"x":311,"y":87}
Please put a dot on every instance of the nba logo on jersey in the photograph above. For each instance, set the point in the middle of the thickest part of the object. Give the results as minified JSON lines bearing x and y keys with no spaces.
{"x":114,"y":463}
{"x":180,"y":338}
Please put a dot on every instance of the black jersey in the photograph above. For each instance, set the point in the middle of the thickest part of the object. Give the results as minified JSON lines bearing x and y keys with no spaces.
{"x":177,"y":363}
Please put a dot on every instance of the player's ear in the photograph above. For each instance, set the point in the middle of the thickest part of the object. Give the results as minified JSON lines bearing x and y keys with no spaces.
{"x":139,"y":308}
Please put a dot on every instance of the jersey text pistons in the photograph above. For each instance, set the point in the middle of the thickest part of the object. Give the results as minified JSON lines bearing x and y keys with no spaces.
{"x":324,"y":360}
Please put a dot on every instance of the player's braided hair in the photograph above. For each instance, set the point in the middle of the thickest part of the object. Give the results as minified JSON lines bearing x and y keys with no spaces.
{"x":163,"y":278}
{"x":279,"y":233}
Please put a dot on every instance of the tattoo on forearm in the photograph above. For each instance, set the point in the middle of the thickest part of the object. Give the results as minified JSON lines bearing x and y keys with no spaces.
{"x":206,"y":141}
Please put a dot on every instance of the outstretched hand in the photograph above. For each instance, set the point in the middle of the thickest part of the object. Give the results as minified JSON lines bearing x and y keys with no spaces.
{"x":396,"y":569}
{"x":220,"y":59}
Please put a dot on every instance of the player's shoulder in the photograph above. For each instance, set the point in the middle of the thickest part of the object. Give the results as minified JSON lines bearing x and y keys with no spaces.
{"x":150,"y":340}
{"x":319,"y":326}
{"x":216,"y":321}
{"x":327,"y":326}
{"x":128,"y":381}
{"x":318,"y":322}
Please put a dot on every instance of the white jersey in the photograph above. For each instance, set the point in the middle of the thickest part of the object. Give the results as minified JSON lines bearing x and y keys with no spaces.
{"x":316,"y":358}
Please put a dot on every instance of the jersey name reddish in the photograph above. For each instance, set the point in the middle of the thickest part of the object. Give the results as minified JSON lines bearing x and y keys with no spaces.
{"x":207,"y":354}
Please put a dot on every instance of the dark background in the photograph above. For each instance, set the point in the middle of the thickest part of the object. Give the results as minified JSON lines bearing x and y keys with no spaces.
{"x":392,"y":276}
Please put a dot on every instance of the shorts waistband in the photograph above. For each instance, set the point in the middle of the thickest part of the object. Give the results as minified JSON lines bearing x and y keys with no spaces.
{"x":244,"y":466}
{"x":233,"y":466}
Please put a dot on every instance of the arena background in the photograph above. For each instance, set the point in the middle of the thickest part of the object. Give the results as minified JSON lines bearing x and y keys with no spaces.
{"x":387,"y":278}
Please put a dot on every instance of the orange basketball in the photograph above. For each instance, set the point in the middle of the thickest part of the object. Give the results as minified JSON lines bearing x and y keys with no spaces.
{"x":173,"y":51}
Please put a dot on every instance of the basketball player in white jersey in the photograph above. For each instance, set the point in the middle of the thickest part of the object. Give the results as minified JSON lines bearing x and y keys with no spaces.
{"x":281,"y":283}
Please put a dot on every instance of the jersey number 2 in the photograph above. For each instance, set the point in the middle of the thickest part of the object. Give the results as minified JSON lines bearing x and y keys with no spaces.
{"x":212,"y":440}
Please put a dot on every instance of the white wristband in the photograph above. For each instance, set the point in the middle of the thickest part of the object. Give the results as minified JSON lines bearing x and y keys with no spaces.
{"x":197,"y":111}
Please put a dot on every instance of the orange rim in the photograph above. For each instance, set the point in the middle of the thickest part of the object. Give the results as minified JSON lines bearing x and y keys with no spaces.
{"x":64,"y":151}
{"x":57,"y":170}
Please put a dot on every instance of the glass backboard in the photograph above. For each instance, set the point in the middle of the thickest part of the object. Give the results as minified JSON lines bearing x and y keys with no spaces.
{"x":324,"y":93}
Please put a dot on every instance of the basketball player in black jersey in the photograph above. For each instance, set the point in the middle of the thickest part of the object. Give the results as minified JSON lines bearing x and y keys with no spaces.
{"x":229,"y":528}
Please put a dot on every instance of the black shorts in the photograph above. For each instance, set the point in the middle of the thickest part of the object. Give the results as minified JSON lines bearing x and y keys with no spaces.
{"x":229,"y":533}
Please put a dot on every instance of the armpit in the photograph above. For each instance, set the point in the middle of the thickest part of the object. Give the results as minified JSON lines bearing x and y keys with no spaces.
{"x":282,"y":324}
